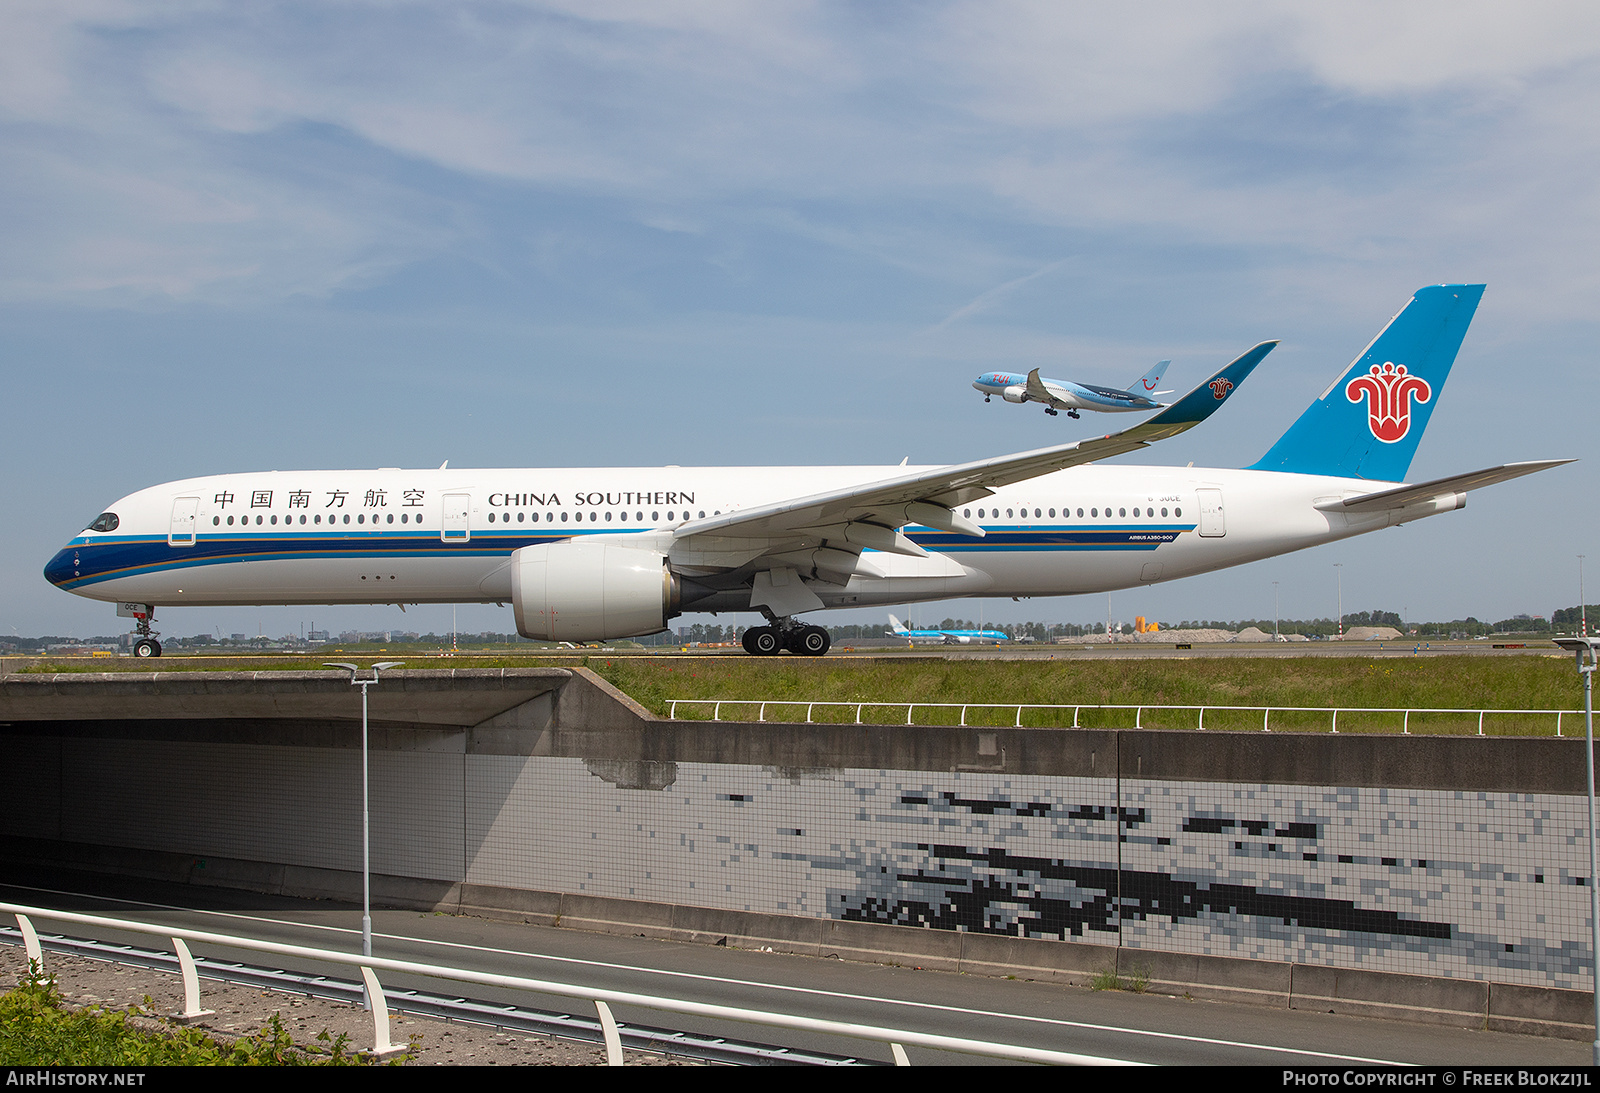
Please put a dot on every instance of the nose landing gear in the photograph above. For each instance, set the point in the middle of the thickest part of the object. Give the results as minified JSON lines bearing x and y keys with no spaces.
{"x":143,"y":615}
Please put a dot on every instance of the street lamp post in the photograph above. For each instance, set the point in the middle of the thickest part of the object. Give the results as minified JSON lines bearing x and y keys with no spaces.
{"x":366,"y":814}
{"x":1338,"y":569}
{"x":1585,"y":650}
{"x":1274,"y":611}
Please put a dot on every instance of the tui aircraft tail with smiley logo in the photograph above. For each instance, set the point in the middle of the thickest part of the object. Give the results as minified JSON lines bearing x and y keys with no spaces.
{"x":1369,"y":420}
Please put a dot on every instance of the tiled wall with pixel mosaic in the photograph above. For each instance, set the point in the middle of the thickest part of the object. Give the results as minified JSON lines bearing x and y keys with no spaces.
{"x":1479,"y":885}
{"x":1464,"y":884}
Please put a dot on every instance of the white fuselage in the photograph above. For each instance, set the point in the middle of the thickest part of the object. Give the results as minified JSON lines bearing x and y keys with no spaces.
{"x":446,"y":536}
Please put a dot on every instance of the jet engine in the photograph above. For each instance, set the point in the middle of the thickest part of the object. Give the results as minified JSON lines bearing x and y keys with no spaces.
{"x":586,"y":591}
{"x":1015,"y":393}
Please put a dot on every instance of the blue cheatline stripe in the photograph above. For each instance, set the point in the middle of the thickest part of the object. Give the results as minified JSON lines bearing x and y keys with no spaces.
{"x":106,"y":558}
{"x":109,"y":558}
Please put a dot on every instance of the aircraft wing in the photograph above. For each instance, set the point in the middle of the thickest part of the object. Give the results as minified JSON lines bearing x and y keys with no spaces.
{"x":1405,"y":496}
{"x":869,"y":514}
{"x":1040,"y":391}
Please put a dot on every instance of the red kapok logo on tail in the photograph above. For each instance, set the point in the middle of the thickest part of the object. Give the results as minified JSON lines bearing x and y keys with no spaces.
{"x":1220,"y":387}
{"x":1388,"y":391}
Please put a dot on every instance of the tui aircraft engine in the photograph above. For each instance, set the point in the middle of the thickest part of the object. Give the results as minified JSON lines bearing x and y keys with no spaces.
{"x":587,"y":591}
{"x":1015,"y":393}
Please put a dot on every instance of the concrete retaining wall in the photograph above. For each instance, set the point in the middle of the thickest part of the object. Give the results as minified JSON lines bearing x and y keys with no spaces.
{"x":1430,"y":878}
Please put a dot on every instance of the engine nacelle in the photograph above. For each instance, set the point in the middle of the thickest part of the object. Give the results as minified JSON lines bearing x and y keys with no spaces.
{"x":1015,"y":393}
{"x":586,"y":591}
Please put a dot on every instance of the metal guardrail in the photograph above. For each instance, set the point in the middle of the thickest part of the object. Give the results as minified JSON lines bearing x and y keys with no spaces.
{"x":601,"y":999}
{"x":565,"y":1026}
{"x":1266,"y":712}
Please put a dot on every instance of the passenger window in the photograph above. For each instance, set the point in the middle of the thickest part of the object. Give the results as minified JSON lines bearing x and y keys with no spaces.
{"x":1122,"y":512}
{"x":655,"y":517}
{"x":215,"y":520}
{"x":1163,"y":512}
{"x":1080,"y":512}
{"x":347,"y":517}
{"x":1052,"y":513}
{"x":1092,"y":512}
{"x":1177,"y":512}
{"x":521,"y":516}
{"x":274,"y":519}
{"x":563,"y":517}
{"x":608,"y":518}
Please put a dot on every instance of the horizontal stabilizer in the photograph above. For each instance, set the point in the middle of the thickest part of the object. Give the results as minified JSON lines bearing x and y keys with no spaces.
{"x":1406,"y":496}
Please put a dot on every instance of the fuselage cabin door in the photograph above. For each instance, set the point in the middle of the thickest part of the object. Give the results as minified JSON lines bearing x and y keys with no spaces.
{"x":185,"y":515}
{"x":1213,"y":524}
{"x":457,"y":525}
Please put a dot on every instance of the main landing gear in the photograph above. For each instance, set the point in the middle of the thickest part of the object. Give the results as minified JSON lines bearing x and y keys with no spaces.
{"x":805,"y":641}
{"x":1051,"y":410}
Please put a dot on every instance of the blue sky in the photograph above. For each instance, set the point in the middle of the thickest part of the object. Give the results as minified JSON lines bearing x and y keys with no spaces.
{"x":328,"y":234}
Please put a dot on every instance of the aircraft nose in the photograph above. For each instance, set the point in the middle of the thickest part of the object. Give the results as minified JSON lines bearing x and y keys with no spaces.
{"x":62,"y":568}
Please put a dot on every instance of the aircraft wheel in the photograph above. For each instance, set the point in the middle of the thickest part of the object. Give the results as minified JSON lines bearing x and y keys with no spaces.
{"x":764,"y":641}
{"x":749,"y":640}
{"x":813,"y":642}
{"x":145,"y":648}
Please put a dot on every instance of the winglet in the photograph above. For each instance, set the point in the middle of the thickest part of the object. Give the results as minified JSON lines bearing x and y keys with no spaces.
{"x":1207,"y":398}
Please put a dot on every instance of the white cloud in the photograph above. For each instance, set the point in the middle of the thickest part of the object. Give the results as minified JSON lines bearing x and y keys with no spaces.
{"x":162,"y":147}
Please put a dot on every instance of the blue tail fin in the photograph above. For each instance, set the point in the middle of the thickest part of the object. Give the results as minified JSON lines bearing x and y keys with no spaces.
{"x":1146,"y":384}
{"x":1368,"y":422}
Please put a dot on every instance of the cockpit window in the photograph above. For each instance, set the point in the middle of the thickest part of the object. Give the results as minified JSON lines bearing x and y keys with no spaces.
{"x":106,"y":521}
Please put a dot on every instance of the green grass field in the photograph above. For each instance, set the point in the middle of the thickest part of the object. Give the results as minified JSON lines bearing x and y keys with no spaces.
{"x":1456,"y":682}
{"x":1522,"y":682}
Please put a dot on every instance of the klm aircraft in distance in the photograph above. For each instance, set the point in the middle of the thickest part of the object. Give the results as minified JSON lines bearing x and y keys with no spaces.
{"x":1072,"y":397}
{"x":949,"y":637}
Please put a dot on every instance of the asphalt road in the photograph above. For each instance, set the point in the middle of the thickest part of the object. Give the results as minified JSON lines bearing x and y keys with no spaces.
{"x":1111,"y":1024}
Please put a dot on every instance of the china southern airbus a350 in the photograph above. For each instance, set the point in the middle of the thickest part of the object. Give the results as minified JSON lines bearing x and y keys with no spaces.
{"x":1072,"y":397}
{"x":594,"y":554}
